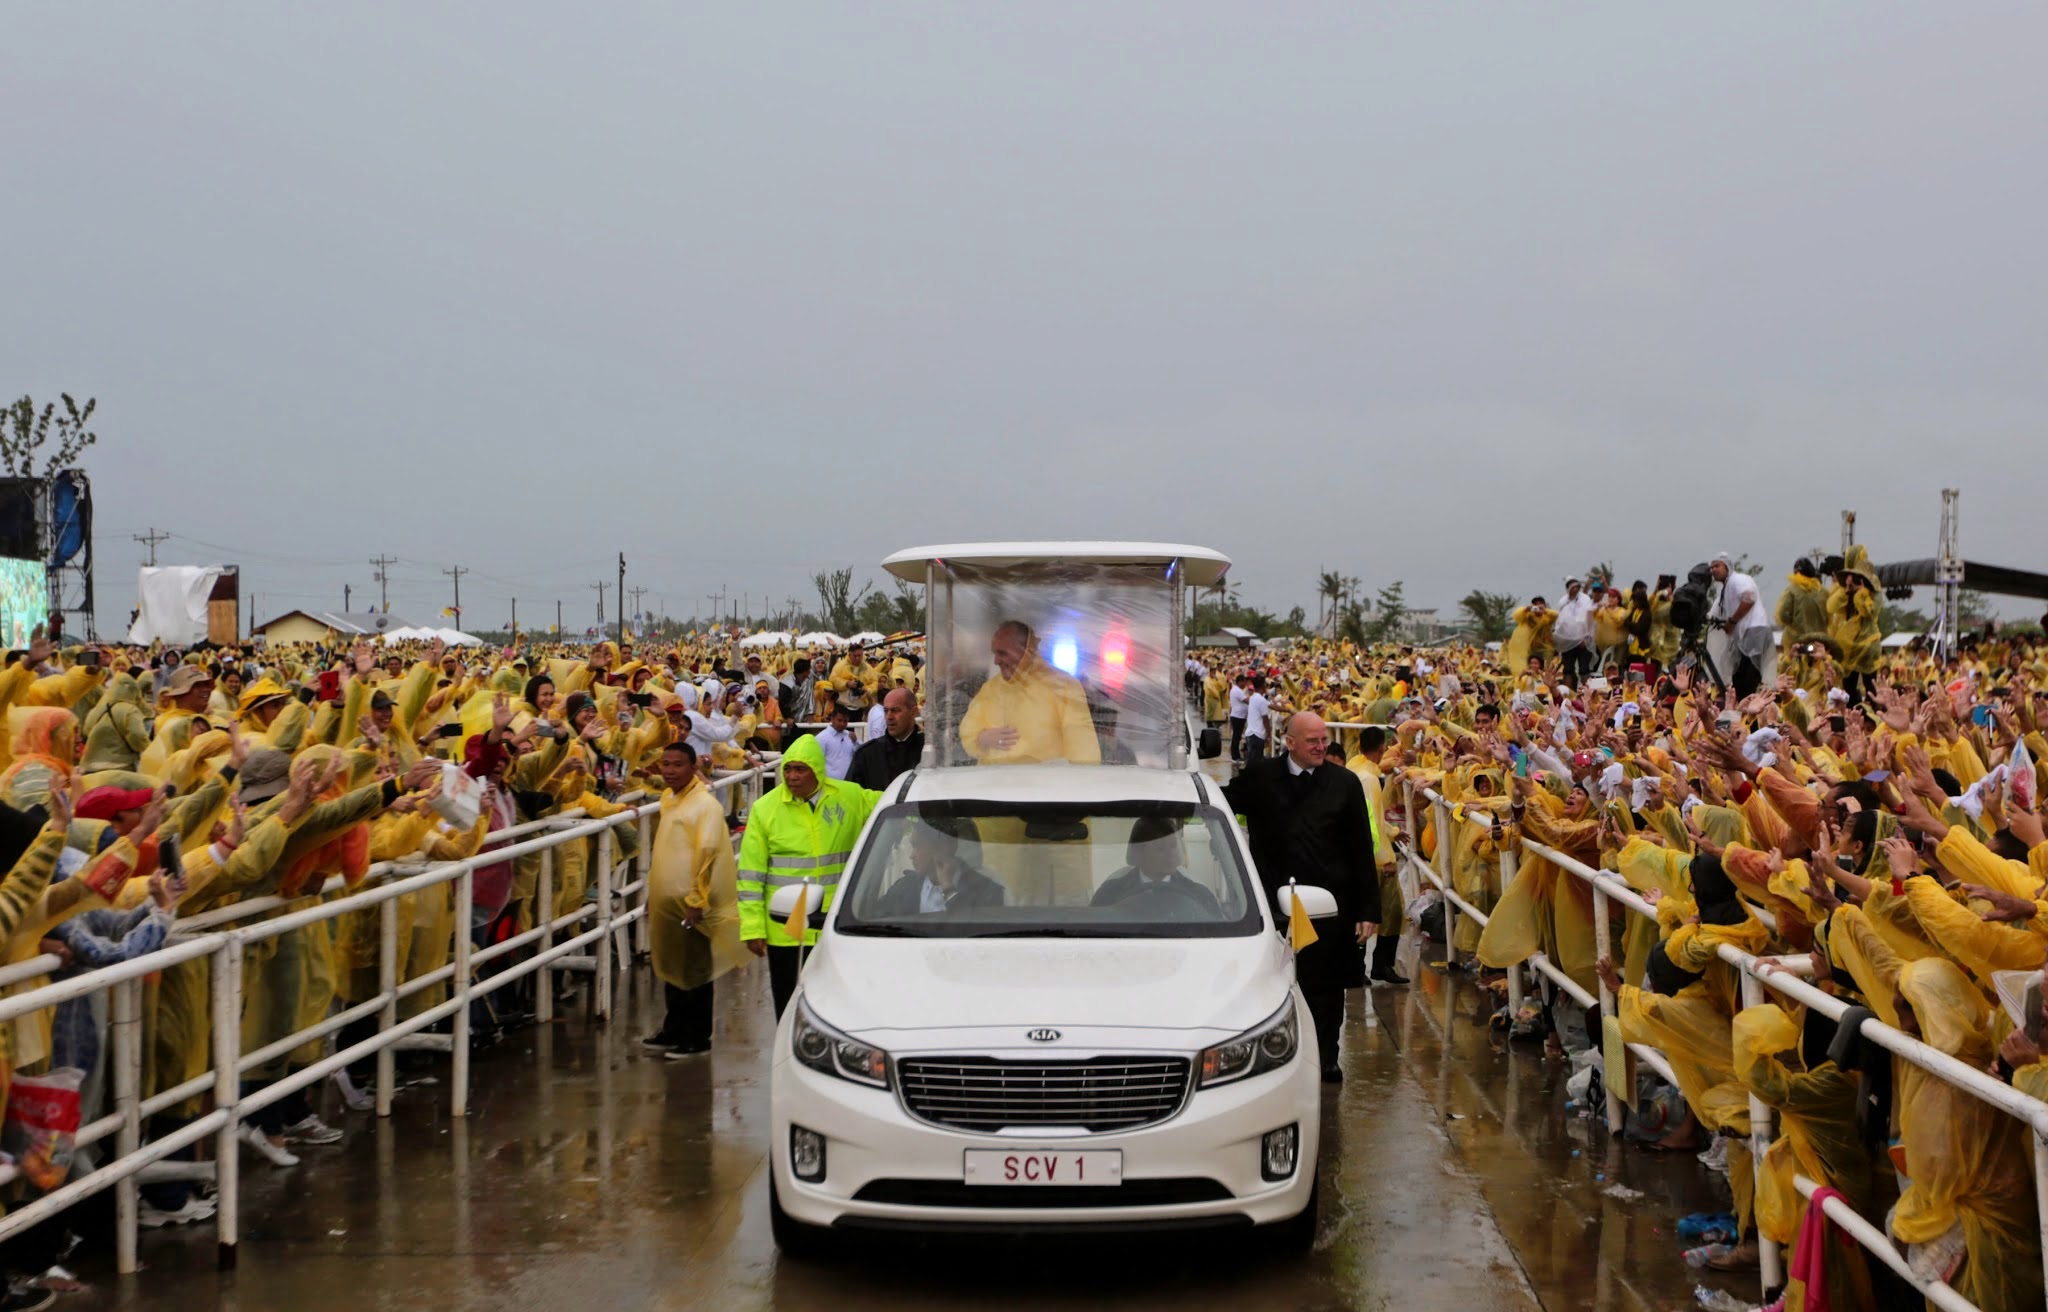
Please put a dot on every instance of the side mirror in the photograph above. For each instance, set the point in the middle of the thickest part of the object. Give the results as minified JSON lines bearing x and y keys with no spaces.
{"x":783,"y":901}
{"x":1318,"y":902}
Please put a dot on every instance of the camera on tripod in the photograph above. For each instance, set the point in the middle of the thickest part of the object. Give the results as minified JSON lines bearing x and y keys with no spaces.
{"x":1690,"y":606}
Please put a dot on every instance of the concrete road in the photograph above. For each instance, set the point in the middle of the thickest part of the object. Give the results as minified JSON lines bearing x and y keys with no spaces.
{"x":593,"y":1175}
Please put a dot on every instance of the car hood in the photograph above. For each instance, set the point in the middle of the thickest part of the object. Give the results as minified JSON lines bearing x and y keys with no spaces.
{"x":1203,"y":990}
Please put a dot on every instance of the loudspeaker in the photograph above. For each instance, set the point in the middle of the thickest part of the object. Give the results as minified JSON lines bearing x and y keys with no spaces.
{"x":19,"y":500}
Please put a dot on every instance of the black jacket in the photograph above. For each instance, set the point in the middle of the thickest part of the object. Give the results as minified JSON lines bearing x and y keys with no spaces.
{"x":972,"y":889}
{"x":878,"y":762}
{"x":1314,"y":829}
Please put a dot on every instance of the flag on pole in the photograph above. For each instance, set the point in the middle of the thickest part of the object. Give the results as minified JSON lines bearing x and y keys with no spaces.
{"x":799,"y":917}
{"x":1299,"y":932}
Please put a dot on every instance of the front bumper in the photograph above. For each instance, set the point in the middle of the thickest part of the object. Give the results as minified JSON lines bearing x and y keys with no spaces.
{"x":1201,"y":1167}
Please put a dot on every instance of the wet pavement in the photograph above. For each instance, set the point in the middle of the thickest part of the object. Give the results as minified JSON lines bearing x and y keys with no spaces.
{"x":592,"y":1174}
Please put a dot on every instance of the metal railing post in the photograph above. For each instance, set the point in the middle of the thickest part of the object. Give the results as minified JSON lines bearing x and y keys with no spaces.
{"x":227,"y":1096}
{"x":387,"y":984}
{"x":1770,"y":1264}
{"x":544,"y":920}
{"x":603,"y":990}
{"x":1508,"y":869}
{"x":1442,"y":812}
{"x":642,"y":941}
{"x":125,"y":1021}
{"x":1603,"y":939}
{"x":458,"y":1076}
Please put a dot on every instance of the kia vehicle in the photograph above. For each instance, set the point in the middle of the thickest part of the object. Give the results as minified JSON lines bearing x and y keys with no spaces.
{"x":1048,"y":994}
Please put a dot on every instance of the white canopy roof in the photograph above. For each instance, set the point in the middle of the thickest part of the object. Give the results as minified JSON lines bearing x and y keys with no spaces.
{"x":766,"y":640}
{"x":1202,"y":567}
{"x":819,"y":639}
{"x":868,"y":637}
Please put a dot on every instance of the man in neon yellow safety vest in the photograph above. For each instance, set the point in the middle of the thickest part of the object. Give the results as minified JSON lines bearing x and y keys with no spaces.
{"x":804,"y":829}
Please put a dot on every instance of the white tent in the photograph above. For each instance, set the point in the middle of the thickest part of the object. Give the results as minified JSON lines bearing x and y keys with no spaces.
{"x":452,"y":637}
{"x":819,"y":639}
{"x":869,"y":638}
{"x":766,"y":640}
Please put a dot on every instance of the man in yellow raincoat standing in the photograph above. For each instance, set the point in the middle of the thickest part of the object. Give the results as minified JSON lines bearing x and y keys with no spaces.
{"x":1030,"y":712}
{"x":693,"y":912}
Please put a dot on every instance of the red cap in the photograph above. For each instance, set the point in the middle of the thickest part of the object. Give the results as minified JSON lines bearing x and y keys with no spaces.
{"x":106,"y":803}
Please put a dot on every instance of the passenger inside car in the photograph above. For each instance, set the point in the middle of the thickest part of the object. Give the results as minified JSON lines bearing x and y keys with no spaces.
{"x":938,"y":880}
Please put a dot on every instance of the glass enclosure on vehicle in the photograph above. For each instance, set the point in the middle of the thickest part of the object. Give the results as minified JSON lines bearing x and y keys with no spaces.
{"x":1054,"y":652}
{"x":992,"y":869}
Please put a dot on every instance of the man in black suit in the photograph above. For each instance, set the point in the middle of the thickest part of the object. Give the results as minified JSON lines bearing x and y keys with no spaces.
{"x":1307,"y":822}
{"x":878,"y":762}
{"x":938,"y":880}
{"x":1155,"y":856}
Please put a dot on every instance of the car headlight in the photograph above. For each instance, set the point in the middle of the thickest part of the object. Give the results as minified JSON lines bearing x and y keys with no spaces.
{"x":1267,"y":1046}
{"x":822,"y":1048}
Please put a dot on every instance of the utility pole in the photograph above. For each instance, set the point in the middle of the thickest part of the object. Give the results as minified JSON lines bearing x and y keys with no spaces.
{"x":621,"y":594}
{"x":346,"y":594}
{"x":558,"y":617}
{"x":456,"y":572}
{"x":600,"y":606}
{"x":383,"y":564}
{"x":638,"y":593}
{"x":515,"y":619}
{"x":150,"y":539}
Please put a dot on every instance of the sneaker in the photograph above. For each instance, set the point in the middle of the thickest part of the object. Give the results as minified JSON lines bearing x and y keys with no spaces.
{"x":682,"y":1050}
{"x":195,"y":1208}
{"x":312,"y":1130}
{"x":658,"y":1042}
{"x":275,"y":1154}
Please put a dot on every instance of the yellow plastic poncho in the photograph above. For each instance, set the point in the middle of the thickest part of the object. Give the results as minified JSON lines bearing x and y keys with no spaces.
{"x":693,"y":868}
{"x":1816,"y":1116}
{"x":1046,"y":707}
{"x":1968,"y":1162}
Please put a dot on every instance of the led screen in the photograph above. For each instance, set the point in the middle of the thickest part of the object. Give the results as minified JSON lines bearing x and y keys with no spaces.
{"x":24,"y":600}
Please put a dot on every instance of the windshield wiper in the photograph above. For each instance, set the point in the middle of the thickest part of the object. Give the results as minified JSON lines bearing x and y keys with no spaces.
{"x":880,"y":930}
{"x":1042,"y":931}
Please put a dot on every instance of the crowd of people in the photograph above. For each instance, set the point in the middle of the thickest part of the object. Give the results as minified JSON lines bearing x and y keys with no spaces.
{"x":142,"y":787}
{"x":1870,"y":811}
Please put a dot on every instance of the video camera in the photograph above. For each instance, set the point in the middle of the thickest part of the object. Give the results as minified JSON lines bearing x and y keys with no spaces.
{"x":1689,"y":600}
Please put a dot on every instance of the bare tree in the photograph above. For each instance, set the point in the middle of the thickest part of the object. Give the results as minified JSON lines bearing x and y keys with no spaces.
{"x":24,"y":433}
{"x":838,"y":604}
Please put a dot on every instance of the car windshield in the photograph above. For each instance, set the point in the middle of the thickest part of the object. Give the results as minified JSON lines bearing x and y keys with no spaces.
{"x":979,"y":870}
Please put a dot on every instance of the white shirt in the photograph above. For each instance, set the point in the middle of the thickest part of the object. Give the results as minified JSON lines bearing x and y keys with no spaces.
{"x":1737,"y":589}
{"x":839,"y":748}
{"x":1255,"y":716}
{"x":878,"y":722}
{"x":1238,"y":698}
{"x":1574,"y":623}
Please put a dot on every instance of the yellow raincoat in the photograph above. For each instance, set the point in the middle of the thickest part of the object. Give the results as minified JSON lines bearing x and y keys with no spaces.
{"x":1968,"y":1162}
{"x":693,"y":868}
{"x":1045,"y":706}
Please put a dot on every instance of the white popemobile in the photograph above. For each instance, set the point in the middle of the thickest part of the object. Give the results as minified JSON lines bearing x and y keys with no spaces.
{"x":1048,"y":995}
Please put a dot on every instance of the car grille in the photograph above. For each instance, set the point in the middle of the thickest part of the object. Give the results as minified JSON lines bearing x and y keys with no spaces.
{"x":1131,"y":1193}
{"x":1097,"y":1095}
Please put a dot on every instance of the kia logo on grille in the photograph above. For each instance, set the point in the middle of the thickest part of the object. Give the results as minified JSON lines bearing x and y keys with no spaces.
{"x":1043,"y":1036}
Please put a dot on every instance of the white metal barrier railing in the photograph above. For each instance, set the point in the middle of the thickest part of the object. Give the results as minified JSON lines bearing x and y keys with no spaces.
{"x":215,"y":937}
{"x":1777,"y":974}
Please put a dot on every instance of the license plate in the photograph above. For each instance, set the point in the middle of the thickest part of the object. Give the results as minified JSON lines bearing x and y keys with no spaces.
{"x":1000,"y":1166}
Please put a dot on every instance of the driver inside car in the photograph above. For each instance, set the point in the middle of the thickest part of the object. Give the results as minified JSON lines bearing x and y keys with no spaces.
{"x":938,"y":880}
{"x":1155,"y":854}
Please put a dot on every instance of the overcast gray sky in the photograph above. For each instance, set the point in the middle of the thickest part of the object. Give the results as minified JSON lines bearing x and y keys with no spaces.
{"x":1466,"y":296}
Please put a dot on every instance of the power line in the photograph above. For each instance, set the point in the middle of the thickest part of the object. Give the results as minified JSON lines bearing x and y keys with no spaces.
{"x":150,"y":539}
